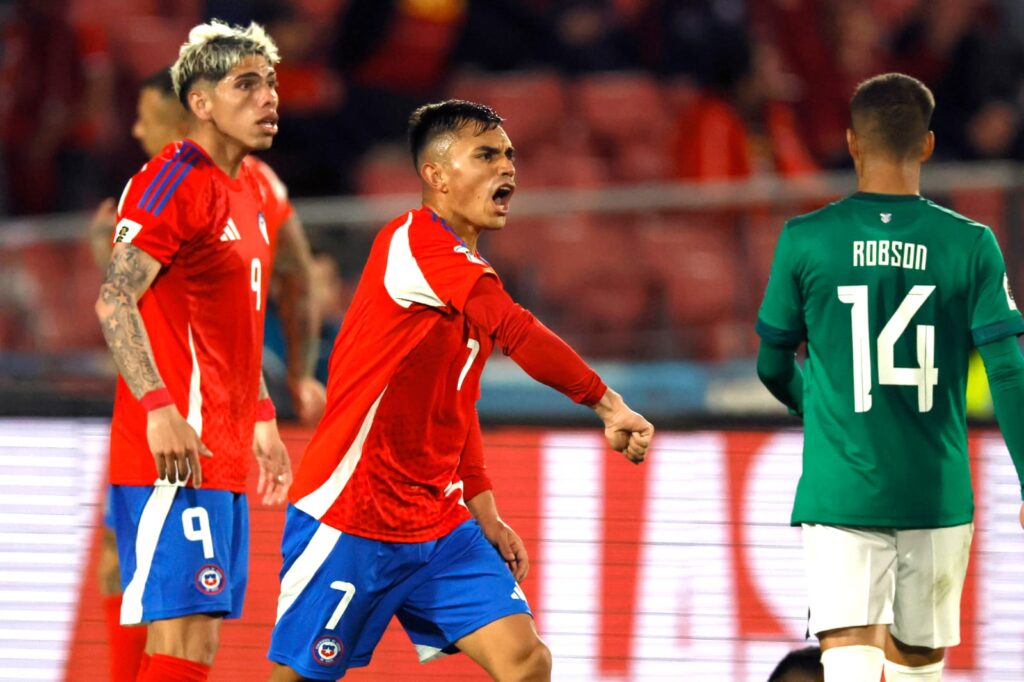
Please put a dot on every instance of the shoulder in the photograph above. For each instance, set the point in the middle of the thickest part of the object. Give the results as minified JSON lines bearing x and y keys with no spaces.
{"x":265,"y":178}
{"x":179,"y":172}
{"x":809,"y":221}
{"x":952,"y":217}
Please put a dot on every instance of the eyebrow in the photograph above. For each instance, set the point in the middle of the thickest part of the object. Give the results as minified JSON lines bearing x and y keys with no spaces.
{"x":256,"y":74}
{"x":494,"y":150}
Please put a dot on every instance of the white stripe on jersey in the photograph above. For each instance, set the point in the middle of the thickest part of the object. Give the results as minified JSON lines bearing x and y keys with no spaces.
{"x":306,"y":566}
{"x":402,"y":277}
{"x":151,"y":523}
{"x":195,"y":396}
{"x":320,"y":500}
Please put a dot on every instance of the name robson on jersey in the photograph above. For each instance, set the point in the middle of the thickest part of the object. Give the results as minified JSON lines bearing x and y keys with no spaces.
{"x":327,"y":650}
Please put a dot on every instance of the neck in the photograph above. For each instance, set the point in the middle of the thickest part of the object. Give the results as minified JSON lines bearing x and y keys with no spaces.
{"x":467,"y":232}
{"x":226,"y":153}
{"x":889,"y":177}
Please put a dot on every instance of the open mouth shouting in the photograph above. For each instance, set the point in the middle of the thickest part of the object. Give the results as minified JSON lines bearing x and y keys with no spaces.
{"x":502,"y":196}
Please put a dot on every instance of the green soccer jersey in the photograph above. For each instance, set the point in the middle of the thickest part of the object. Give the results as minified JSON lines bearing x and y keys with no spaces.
{"x":890,"y":292}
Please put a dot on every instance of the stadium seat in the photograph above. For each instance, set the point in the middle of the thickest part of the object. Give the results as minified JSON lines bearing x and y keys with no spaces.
{"x":587,"y":271}
{"x":623,"y":106}
{"x":695,"y":256}
{"x":531,"y":102}
{"x":386,"y":170}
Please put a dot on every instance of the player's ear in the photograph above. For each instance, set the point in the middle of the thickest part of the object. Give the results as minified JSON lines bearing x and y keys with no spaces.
{"x":929,"y":147}
{"x":200,"y":103}
{"x":852,"y":146}
{"x":434,"y":176}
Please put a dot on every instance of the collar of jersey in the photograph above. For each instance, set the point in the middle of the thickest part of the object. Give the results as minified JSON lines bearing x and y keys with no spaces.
{"x":232,"y":183}
{"x":438,"y":219}
{"x":875,"y":196}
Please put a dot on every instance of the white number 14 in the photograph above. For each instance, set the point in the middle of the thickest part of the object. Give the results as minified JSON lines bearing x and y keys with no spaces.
{"x":925,"y":376}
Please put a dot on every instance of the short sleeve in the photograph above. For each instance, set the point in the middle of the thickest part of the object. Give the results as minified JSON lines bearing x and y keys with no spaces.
{"x":780,"y":320}
{"x":156,"y":210}
{"x":993,"y":312}
{"x":449,"y":268}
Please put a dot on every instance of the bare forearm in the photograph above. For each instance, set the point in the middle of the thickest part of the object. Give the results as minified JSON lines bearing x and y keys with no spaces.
{"x":293,"y":265}
{"x":298,"y":319}
{"x":264,"y":392}
{"x":123,"y":328}
{"x":483,"y":507}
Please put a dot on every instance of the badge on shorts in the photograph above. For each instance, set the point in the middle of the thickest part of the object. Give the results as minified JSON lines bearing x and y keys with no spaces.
{"x":327,"y":650}
{"x":210,"y":579}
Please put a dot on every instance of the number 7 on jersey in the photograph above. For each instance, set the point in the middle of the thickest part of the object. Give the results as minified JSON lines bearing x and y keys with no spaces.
{"x":925,"y":376}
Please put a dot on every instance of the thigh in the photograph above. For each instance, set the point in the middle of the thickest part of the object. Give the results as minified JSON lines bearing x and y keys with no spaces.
{"x":851,"y":574}
{"x":178,"y":548}
{"x":930,"y":573}
{"x":470,"y":587}
{"x":338,"y":593}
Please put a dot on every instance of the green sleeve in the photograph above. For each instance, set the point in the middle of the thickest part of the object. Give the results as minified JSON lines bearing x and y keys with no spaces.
{"x":780,"y":321}
{"x":994,"y":313}
{"x":778,"y":371}
{"x":1004,"y":366}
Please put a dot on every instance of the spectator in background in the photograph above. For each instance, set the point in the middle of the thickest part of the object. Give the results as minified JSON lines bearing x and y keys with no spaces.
{"x":392,"y":56}
{"x":56,"y":79}
{"x":308,"y":152}
{"x":742,"y":125}
{"x":801,"y":665}
{"x":964,"y":48}
{"x":831,"y":47}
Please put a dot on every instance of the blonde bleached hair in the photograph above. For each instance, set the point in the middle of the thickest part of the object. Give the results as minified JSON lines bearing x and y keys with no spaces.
{"x":213,"y":49}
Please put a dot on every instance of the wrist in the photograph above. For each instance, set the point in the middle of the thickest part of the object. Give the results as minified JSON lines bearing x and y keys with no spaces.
{"x":155,"y":399}
{"x":609,"y":404}
{"x":265,"y":410}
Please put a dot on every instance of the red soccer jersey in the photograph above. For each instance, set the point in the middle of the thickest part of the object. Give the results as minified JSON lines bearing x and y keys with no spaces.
{"x":277,"y":208}
{"x":401,"y":394}
{"x":204,"y":311}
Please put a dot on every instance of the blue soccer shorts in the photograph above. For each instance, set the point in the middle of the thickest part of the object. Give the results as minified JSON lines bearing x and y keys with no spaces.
{"x":339,"y":592}
{"x":183,"y":551}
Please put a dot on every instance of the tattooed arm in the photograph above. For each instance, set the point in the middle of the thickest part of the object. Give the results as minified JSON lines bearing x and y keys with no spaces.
{"x":293,"y":263}
{"x":174,"y":444}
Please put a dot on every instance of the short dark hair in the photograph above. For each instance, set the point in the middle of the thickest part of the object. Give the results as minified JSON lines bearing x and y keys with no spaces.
{"x":803,"y":662}
{"x":894,"y":108}
{"x":160,"y":81}
{"x":438,"y":118}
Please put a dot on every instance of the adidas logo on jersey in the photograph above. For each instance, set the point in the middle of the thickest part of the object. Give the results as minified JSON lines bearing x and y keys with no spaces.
{"x":230,"y":232}
{"x":518,"y":594}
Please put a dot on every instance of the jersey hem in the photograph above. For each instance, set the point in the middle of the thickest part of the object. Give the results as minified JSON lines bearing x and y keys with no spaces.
{"x":134,"y":484}
{"x":434,"y":533}
{"x":997,"y":331}
{"x":866,"y":522}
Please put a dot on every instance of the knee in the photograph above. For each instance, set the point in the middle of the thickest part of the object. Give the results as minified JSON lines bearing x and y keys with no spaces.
{"x":533,"y":663}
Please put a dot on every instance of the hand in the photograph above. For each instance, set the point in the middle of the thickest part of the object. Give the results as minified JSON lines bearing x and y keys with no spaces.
{"x":175,"y":446}
{"x":509,"y":545}
{"x":1022,"y":516}
{"x":309,"y":398}
{"x":275,"y":466}
{"x":625,"y":430}
{"x":101,"y":231}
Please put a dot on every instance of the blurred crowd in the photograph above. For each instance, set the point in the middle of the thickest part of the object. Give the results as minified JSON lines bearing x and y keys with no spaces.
{"x":595,"y":91}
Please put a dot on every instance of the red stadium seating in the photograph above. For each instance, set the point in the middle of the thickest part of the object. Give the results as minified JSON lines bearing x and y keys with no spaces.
{"x":532,"y":102}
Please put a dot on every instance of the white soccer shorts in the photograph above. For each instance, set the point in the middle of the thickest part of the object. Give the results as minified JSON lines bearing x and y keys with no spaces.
{"x":908,"y":579}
